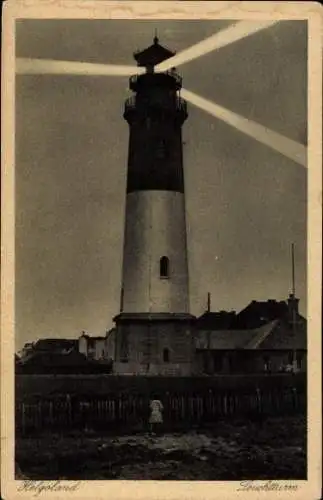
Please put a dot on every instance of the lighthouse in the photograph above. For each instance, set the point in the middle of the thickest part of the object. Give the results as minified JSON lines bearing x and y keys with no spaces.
{"x":154,"y":326}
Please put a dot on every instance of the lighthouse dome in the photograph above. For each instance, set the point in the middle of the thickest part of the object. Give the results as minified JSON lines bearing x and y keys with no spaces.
{"x":153,"y":55}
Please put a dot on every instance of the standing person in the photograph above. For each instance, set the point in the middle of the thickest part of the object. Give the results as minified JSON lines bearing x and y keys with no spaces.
{"x":156,"y":415}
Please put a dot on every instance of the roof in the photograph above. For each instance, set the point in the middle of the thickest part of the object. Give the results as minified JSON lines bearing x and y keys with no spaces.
{"x":284,"y":336}
{"x":110,"y":333}
{"x":260,"y":334}
{"x":55,"y":359}
{"x":221,"y":320}
{"x":152,"y":317}
{"x":54,"y":344}
{"x":260,"y":313}
{"x":92,"y":338}
{"x":277,"y":334}
{"x":223,"y":339}
{"x":256,"y":314}
{"x":153,"y":55}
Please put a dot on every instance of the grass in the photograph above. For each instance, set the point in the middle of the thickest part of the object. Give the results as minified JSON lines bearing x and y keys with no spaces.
{"x":273,"y":449}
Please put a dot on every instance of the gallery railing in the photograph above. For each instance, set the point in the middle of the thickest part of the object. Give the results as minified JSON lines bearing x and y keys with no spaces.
{"x":178,"y":105}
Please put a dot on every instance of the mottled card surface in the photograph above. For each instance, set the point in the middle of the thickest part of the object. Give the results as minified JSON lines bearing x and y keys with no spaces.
{"x":161,"y":249}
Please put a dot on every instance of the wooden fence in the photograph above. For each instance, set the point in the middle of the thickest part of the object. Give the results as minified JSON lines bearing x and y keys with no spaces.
{"x":130,"y":412}
{"x":42,"y":386}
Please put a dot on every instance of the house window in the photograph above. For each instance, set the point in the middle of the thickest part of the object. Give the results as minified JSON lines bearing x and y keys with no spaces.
{"x":164,"y":267}
{"x":161,"y":149}
{"x":124,"y":347}
{"x":230,"y":363}
{"x":166,"y":355}
{"x":217,"y":362}
{"x":299,"y":358}
{"x":266,"y":363}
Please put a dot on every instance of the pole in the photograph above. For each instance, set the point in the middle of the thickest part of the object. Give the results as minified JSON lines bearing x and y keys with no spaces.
{"x":209,"y":355}
{"x":293,"y":307}
{"x":293,"y":271}
{"x":121,"y":299}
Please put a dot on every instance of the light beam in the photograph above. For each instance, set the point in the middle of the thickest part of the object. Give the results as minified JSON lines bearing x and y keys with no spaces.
{"x":224,"y":37}
{"x":26,"y":66}
{"x":289,"y":148}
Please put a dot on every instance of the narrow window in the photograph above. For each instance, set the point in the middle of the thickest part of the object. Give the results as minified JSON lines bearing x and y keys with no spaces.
{"x":161,"y":149}
{"x":164,"y":267}
{"x":124,"y":348}
{"x":266,"y":363}
{"x":299,"y":358}
{"x":166,"y":355}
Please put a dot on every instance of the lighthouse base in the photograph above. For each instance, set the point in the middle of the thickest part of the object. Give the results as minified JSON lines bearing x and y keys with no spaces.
{"x":154,"y":344}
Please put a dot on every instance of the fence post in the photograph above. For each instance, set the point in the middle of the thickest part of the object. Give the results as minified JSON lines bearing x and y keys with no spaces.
{"x":51,"y":419}
{"x":113,"y":407}
{"x":201,"y":408}
{"x":69,"y":410}
{"x":294,"y":392}
{"x":23,"y":417}
{"x":119,"y":409}
{"x":209,"y":406}
{"x":258,"y":396}
{"x":225,"y":404}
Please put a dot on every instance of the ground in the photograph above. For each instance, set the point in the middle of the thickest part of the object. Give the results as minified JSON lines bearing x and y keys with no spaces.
{"x":273,"y":449}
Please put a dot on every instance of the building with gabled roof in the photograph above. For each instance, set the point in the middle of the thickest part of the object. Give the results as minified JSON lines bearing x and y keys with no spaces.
{"x":69,"y":362}
{"x":265,"y":336}
{"x":216,"y":320}
{"x":99,"y":348}
{"x":258,"y":313}
{"x":50,"y":345}
{"x":57,"y":345}
{"x":268,"y":336}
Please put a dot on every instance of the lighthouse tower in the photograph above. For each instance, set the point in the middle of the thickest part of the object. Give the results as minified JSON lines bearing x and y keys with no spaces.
{"x":154,"y":327}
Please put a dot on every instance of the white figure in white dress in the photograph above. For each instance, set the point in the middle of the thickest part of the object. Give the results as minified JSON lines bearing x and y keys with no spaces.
{"x":156,"y":415}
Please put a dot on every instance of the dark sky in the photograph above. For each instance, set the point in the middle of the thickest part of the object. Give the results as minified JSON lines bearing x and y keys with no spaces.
{"x":245,"y":202}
